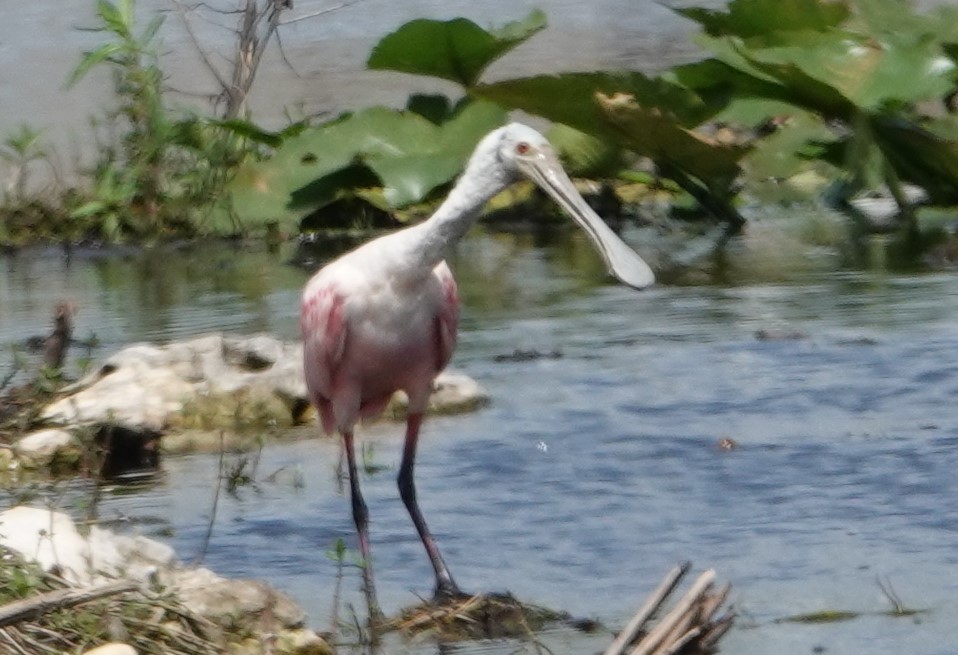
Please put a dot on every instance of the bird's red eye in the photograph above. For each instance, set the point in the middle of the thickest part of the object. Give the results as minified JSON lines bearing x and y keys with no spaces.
{"x":522,"y":147}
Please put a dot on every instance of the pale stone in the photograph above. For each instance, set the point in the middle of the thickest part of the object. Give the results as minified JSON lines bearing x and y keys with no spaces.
{"x":51,"y":540}
{"x":112,"y":649}
{"x":153,"y":389}
{"x":221,"y":599}
{"x":301,"y":642}
{"x":8,"y":458}
{"x":48,"y":538}
{"x":41,"y":447}
{"x":133,"y":395}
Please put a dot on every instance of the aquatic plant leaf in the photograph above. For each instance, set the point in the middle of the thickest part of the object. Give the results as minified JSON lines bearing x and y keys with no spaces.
{"x":456,"y":50}
{"x":570,"y":98}
{"x":789,"y":150}
{"x":865,"y":71}
{"x":655,"y":133}
{"x":824,"y":616}
{"x":829,"y":61}
{"x":411,"y":170}
{"x":893,"y":17}
{"x":330,"y":187}
{"x":152,"y":28}
{"x":251,"y":131}
{"x":717,"y":77}
{"x":746,"y":18}
{"x":433,"y":107}
{"x":922,"y":156}
{"x":583,"y":154}
{"x":93,"y":58}
{"x":117,"y":18}
{"x":402,"y":152}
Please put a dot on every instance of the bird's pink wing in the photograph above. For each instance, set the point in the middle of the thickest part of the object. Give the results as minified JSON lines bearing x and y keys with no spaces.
{"x":447,"y":322}
{"x":324,"y":338}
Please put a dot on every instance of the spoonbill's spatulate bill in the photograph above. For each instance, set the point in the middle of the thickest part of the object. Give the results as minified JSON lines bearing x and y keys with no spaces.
{"x":384,"y":317}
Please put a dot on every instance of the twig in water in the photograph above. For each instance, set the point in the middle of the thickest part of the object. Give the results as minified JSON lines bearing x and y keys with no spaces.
{"x":655,"y":601}
{"x":690,"y":625}
{"x":216,"y":499}
{"x":679,"y":616}
{"x":889,"y":591}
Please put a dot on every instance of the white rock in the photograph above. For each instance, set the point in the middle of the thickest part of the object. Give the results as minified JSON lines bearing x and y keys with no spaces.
{"x":144,"y":386}
{"x":51,"y":540}
{"x":112,"y":649}
{"x":48,"y":538}
{"x":41,"y":447}
{"x":302,"y":641}
{"x":134,"y":395}
{"x":219,"y":599}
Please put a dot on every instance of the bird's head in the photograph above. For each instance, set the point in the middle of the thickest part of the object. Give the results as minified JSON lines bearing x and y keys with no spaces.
{"x":521,"y":151}
{"x":518,"y":146}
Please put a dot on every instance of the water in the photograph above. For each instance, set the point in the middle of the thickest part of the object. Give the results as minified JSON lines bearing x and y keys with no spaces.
{"x":591,"y":474}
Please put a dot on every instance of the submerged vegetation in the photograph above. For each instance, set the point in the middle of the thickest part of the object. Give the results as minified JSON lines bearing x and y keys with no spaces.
{"x":797,"y":100}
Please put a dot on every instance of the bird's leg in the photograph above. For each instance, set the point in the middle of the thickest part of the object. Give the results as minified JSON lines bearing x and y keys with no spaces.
{"x":446,"y":587}
{"x":361,"y":518}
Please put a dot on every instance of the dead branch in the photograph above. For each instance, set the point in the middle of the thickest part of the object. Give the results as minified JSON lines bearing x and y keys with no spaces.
{"x":259,"y":22}
{"x":252,"y":40}
{"x":250,"y":51}
{"x":676,"y":622}
{"x":196,"y":44}
{"x":31,"y":608}
{"x":689,"y":627}
{"x":320,"y":12}
{"x":653,"y":603}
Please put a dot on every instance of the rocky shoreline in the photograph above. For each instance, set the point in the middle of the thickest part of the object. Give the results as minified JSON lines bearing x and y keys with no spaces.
{"x":238,"y":609}
{"x":188,"y":396}
{"x":148,"y":400}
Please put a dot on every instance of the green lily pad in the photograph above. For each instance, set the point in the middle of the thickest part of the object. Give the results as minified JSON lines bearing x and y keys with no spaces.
{"x":892,"y":17}
{"x":867,"y":72}
{"x":823,"y":58}
{"x":570,"y":98}
{"x":583,"y":154}
{"x":456,"y":50}
{"x":789,"y":150}
{"x":657,"y":134}
{"x":747,"y":18}
{"x":404,"y":153}
{"x":922,"y":156}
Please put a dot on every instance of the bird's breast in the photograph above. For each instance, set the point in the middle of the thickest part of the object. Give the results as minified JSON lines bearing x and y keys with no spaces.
{"x":391,"y":336}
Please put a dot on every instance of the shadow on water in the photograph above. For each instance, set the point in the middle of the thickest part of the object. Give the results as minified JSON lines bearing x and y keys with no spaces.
{"x":591,"y":473}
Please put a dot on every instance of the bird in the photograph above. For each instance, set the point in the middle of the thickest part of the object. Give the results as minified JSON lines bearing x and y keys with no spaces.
{"x":384,"y":316}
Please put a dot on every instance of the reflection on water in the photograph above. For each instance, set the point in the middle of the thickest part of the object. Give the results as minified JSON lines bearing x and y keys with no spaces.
{"x":848,"y":441}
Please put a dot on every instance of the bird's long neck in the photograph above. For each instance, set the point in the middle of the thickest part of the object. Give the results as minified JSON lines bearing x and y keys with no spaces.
{"x":433,"y":239}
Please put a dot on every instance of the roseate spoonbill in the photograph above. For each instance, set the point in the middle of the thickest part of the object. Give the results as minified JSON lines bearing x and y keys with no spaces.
{"x":383,"y":317}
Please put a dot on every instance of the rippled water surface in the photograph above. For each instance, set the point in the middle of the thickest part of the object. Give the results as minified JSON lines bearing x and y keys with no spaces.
{"x":592,"y":473}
